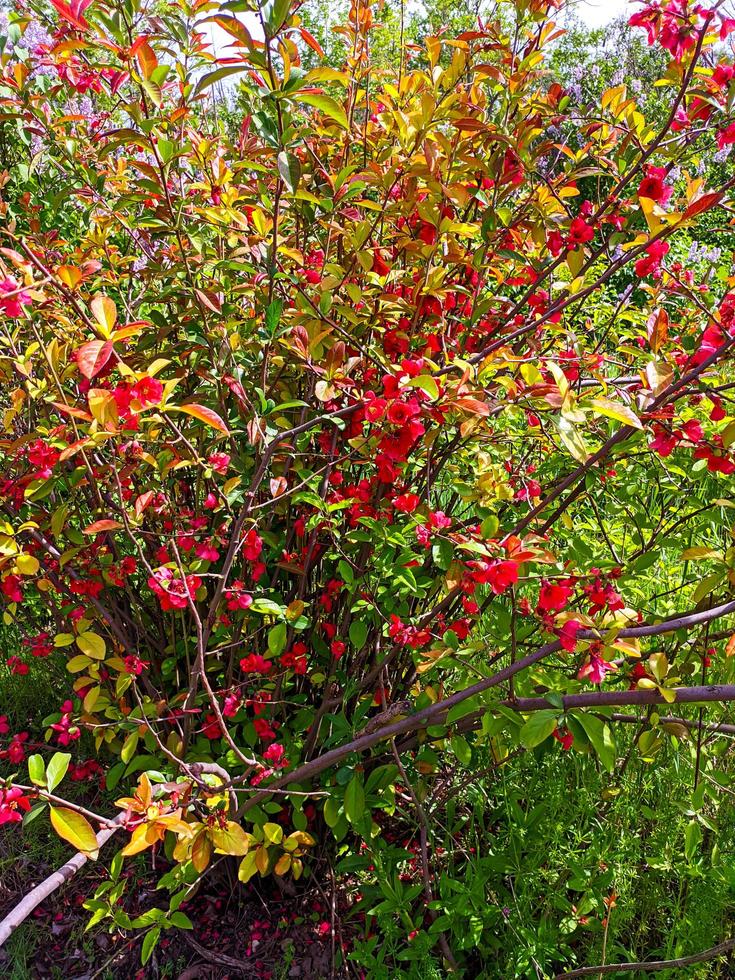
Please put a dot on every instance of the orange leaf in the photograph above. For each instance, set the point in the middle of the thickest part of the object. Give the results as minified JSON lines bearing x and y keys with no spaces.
{"x":76,"y":413}
{"x":311,"y":41}
{"x":204,"y":414}
{"x":105,"y":525}
{"x":657,"y":327}
{"x":473,"y":405}
{"x":143,"y":501}
{"x":146,"y":58}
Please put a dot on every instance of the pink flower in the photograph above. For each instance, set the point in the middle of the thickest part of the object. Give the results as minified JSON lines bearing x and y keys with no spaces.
{"x":134,"y":665}
{"x":13,"y":298}
{"x":596,"y":669}
{"x":17,"y":666}
{"x":568,"y":635}
{"x":219,"y":462}
{"x":173,"y":593}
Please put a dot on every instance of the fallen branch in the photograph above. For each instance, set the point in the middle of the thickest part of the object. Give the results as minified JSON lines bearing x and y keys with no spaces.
{"x":41,"y":892}
{"x":653,"y":966}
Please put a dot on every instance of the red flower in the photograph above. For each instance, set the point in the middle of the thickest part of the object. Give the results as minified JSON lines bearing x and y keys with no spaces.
{"x":500,"y":575}
{"x":653,"y":187}
{"x":211,"y":728}
{"x":649,"y":265}
{"x":147,"y":391}
{"x":254,"y":663}
{"x":252,"y":545}
{"x":12,"y":802}
{"x":407,"y":503}
{"x":553,"y":596}
{"x":580,"y":232}
{"x":11,"y":588}
{"x":565,"y":737}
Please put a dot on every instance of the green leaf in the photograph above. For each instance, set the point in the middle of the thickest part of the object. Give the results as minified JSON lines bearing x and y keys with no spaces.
{"x":325,"y":104}
{"x":538,"y":728}
{"x":273,"y":833}
{"x":600,"y":737}
{"x":57,"y":767}
{"x":217,"y":75}
{"x":354,"y":799}
{"x":277,"y":639}
{"x":461,"y":749}
{"x":358,"y":634}
{"x":149,"y":944}
{"x":36,"y":770}
{"x":426,"y":383}
{"x":290,"y":170}
{"x":181,"y":921}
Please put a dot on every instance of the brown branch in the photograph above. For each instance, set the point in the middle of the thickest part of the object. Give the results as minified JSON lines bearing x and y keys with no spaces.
{"x":654,"y":965}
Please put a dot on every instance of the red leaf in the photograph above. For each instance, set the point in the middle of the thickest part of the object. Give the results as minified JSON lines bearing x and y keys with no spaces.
{"x":72,"y":12}
{"x":703,"y":203}
{"x":93,"y":356}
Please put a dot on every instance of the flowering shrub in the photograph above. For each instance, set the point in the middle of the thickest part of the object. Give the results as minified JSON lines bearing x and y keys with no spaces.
{"x":301,"y":421}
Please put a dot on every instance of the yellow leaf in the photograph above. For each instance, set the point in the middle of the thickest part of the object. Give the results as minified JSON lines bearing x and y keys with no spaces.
{"x":104,"y":312}
{"x":283,"y":864}
{"x":697,"y":554}
{"x":138,"y":841}
{"x":231,"y":840}
{"x":247,"y":867}
{"x":569,"y":435}
{"x":615,"y":410}
{"x":75,"y":829}
{"x":92,"y":644}
{"x":201,"y":852}
{"x":27,"y":564}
